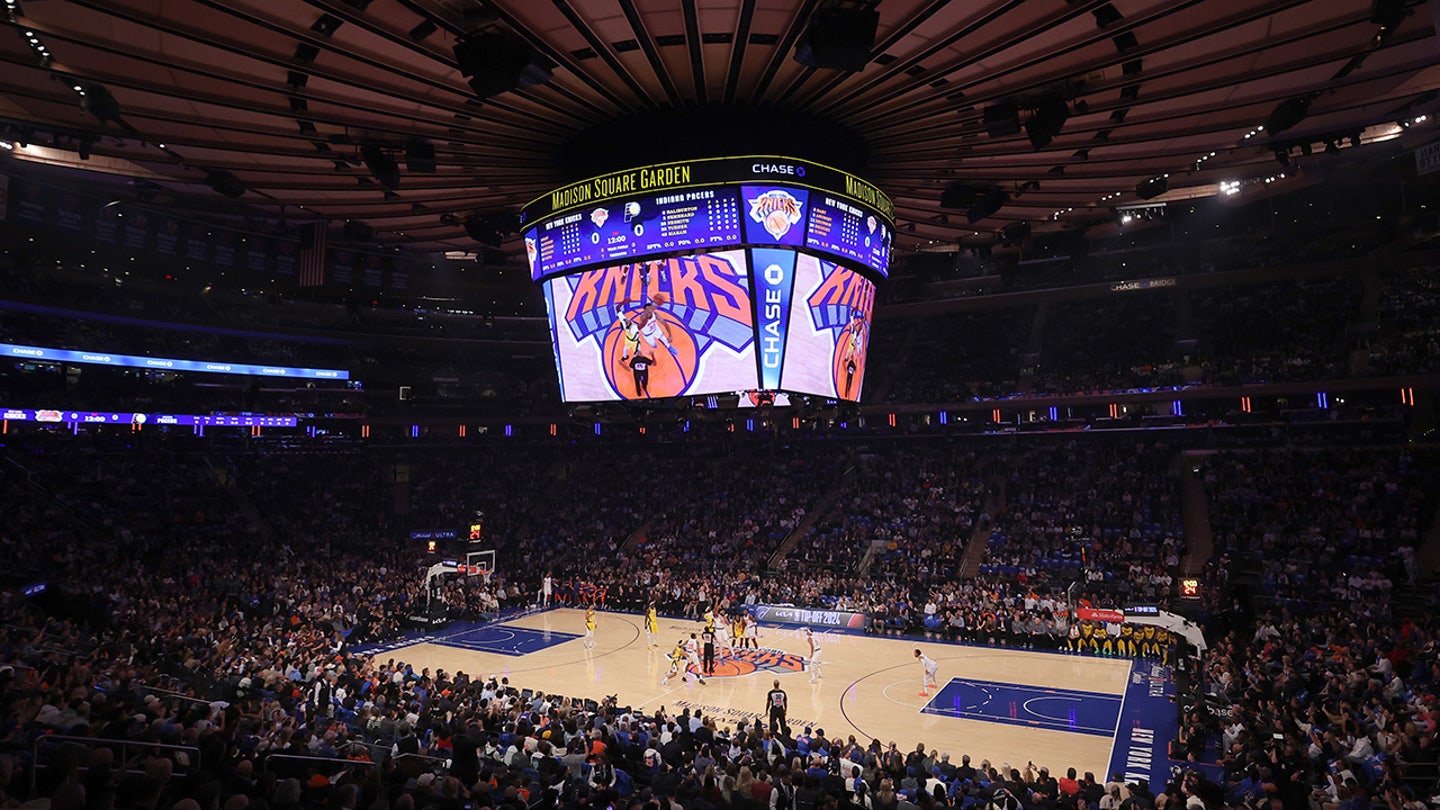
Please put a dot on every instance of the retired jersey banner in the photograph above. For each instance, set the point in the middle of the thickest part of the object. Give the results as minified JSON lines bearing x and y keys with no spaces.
{"x":789,"y":614}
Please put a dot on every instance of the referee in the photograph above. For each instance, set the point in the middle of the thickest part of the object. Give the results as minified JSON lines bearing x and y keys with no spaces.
{"x":776,"y":703}
{"x":707,"y":638}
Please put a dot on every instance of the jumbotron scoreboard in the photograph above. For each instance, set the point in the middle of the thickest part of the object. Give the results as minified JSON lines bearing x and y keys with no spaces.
{"x":716,"y":276}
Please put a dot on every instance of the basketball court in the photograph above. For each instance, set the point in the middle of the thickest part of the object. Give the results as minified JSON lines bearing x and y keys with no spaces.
{"x":1005,"y":705}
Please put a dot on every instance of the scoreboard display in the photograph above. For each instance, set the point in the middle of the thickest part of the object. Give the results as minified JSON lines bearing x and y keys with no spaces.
{"x":711,"y":277}
{"x":655,"y":211}
{"x":645,"y":226}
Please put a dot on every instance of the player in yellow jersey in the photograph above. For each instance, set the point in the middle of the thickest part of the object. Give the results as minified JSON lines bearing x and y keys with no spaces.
{"x":678,"y":658}
{"x":1102,"y":641}
{"x":1162,"y":644}
{"x":1126,"y":645}
{"x":589,"y":626}
{"x":652,"y":624}
{"x":1147,"y":642}
{"x":1087,"y":637}
{"x":710,"y":619}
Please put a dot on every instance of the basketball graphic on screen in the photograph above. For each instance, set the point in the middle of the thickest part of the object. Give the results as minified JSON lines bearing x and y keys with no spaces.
{"x":848,"y":365}
{"x":669,"y":370}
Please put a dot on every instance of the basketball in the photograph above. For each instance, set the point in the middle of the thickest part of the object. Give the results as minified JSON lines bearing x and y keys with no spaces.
{"x":660,"y":299}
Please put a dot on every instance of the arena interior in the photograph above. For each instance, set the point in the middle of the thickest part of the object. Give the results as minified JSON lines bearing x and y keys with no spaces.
{"x":679,"y":405}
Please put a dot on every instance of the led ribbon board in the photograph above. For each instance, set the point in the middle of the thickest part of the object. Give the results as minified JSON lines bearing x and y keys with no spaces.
{"x":59,"y":416}
{"x":43,"y":354}
{"x":713,"y":204}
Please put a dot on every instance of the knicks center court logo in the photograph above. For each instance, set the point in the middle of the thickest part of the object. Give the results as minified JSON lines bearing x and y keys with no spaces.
{"x":737,"y":663}
{"x":841,"y":304}
{"x":776,"y":210}
{"x":655,"y":322}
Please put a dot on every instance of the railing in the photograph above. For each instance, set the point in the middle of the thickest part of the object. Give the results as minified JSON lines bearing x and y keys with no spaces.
{"x":91,"y":743}
{"x":171,"y":694}
{"x":338,"y":763}
{"x":412,"y":765}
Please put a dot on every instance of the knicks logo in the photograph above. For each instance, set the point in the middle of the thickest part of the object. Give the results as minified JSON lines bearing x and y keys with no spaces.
{"x":777,"y":210}
{"x":654,"y":322}
{"x":737,"y":663}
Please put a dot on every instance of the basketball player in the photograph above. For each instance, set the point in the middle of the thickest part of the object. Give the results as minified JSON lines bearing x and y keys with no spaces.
{"x":776,"y":704}
{"x":653,"y":330}
{"x":652,"y":624}
{"x":547,"y":589}
{"x":630,"y":334}
{"x":813,"y":662}
{"x":930,"y":668}
{"x":590,"y":626}
{"x":692,"y":656}
{"x":752,"y":632}
{"x":853,"y":347}
{"x":677,"y":662}
{"x":737,"y":631}
{"x":640,"y":370}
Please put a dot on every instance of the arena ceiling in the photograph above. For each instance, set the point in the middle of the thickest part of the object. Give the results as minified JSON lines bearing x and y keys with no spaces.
{"x":280,"y":94}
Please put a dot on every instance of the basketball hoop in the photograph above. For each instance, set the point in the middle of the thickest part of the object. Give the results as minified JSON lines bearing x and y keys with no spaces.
{"x":478,"y":564}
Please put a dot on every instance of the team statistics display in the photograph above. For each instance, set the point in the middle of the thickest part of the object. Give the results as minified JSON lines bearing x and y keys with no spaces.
{"x":708,"y":278}
{"x":709,"y":204}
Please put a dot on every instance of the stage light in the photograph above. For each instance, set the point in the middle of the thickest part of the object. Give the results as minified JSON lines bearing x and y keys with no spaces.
{"x":487,"y":229}
{"x":1050,"y":116}
{"x":1153,"y":187}
{"x":381,"y":165}
{"x":497,"y":61}
{"x":1002,"y":119}
{"x":225,"y":184}
{"x":838,"y":38}
{"x":420,"y":156}
{"x":1288,"y":113}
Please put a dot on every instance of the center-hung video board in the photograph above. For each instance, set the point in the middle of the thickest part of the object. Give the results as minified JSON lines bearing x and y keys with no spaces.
{"x":709,"y":287}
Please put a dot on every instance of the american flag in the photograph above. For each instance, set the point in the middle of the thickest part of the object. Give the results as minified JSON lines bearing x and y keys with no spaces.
{"x":310,"y":269}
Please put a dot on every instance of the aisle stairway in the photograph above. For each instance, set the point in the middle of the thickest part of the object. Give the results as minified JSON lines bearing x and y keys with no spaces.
{"x":226,"y":476}
{"x":1195,"y":514}
{"x":822,"y":506}
{"x":979,"y":544}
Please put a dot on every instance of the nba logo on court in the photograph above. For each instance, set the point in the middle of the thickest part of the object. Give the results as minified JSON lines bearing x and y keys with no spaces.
{"x":745,"y":662}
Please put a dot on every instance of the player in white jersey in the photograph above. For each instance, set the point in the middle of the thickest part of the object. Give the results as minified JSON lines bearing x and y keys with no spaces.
{"x":653,"y":330}
{"x":692,"y":656}
{"x":813,"y":662}
{"x":930,"y":667}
